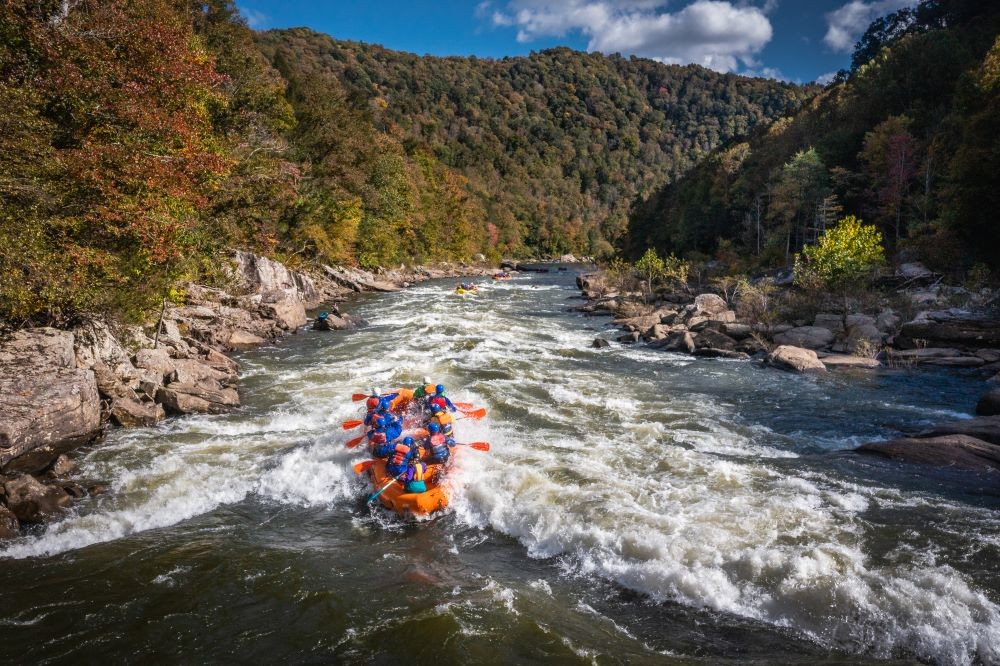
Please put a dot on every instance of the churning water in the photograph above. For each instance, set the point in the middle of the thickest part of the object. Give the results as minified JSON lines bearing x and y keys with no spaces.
{"x":637,"y":506}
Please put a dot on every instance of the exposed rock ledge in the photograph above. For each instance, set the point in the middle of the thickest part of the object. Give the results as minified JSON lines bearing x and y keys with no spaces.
{"x":59,"y":388}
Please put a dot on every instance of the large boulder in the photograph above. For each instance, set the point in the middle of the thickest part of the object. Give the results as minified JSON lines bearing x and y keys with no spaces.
{"x":242,"y":341}
{"x":156,"y":360}
{"x":265,"y":276}
{"x":33,"y":501}
{"x":710,"y":304}
{"x":989,"y":404}
{"x":179,"y":398}
{"x":48,"y":405}
{"x":288,"y":314}
{"x":129,"y":413}
{"x":809,"y":337}
{"x":712,"y":339}
{"x":954,"y":328}
{"x":796,"y":359}
{"x":859,"y":335}
{"x":845,"y":361}
{"x":676,"y":341}
{"x":961,"y":451}
{"x":94,"y":344}
{"x":986,"y":428}
{"x":196,"y":371}
{"x":914,"y":271}
{"x":10,"y":528}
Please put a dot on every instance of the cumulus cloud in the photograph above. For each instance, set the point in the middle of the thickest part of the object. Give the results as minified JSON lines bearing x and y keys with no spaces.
{"x":255,"y":19}
{"x":824,"y":79}
{"x":718,"y":34}
{"x":847,"y":23}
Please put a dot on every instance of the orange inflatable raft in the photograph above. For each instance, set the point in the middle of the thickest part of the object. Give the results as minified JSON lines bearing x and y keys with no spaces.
{"x":397,"y":499}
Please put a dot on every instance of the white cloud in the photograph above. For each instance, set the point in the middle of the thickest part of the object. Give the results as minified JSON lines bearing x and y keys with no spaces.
{"x":847,"y":23}
{"x":824,"y":79}
{"x":255,"y":19}
{"x":718,"y":34}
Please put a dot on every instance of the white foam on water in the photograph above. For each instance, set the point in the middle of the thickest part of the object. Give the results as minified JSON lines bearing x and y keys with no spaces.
{"x":620,"y":474}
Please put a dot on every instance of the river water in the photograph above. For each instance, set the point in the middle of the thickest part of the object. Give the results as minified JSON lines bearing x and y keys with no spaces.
{"x":637,"y":506}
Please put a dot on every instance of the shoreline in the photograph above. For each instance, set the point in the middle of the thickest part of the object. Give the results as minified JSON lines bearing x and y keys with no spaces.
{"x":63,"y":389}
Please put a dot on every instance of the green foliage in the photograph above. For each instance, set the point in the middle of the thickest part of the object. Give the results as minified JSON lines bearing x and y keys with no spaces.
{"x":909,"y":139}
{"x":842,"y":259}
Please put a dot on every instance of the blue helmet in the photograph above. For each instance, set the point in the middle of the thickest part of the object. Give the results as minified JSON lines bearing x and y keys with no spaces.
{"x":433,"y":428}
{"x":385,"y":404}
{"x":408,"y":441}
{"x":439,"y":389}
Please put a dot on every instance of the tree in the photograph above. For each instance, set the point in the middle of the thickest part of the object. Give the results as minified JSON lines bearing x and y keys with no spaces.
{"x":801,"y":186}
{"x":650,"y":267}
{"x":842,"y":261}
{"x":890,"y":156}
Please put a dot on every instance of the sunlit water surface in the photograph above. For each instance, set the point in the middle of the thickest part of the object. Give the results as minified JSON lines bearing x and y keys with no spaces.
{"x":637,"y":506}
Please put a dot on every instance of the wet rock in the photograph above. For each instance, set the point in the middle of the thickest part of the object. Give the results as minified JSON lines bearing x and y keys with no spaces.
{"x":32,"y":501}
{"x":629,"y":338}
{"x":98,"y":489}
{"x":986,"y":428}
{"x":956,"y":362}
{"x":62,"y":467}
{"x":920,"y":355}
{"x":657,"y":332}
{"x":677,"y":341}
{"x":74,"y":490}
{"x":845,"y":361}
{"x":797,"y":359}
{"x":961,"y":451}
{"x":752,"y":346}
{"x":10,"y":528}
{"x":44,"y":414}
{"x":600,"y":343}
{"x":708,"y":352}
{"x":809,"y":337}
{"x":331,"y":322}
{"x":712,"y":339}
{"x":134,"y":413}
{"x":989,"y":404}
{"x":242,"y":341}
{"x":711,"y":304}
{"x":290,"y":315}
{"x":179,"y":398}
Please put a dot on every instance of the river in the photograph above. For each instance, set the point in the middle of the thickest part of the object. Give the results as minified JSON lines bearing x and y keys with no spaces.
{"x":637,"y":506}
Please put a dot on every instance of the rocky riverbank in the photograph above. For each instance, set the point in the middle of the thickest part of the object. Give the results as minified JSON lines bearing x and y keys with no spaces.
{"x":708,"y":325}
{"x":60,"y":389}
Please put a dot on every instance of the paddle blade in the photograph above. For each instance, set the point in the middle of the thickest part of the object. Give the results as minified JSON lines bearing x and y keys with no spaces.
{"x":350,"y":425}
{"x":358,"y":396}
{"x":480,"y":446}
{"x":363,"y":466}
{"x":464,"y":405}
{"x":477,"y":414}
{"x":354,"y":442}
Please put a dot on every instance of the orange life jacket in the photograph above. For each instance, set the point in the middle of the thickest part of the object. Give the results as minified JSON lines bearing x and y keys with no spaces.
{"x":399,"y":455}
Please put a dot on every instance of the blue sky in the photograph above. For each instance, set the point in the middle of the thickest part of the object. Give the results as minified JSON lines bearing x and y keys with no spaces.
{"x":797,"y":40}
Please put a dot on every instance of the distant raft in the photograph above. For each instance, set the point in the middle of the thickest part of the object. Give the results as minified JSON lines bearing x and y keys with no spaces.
{"x":463,"y":290}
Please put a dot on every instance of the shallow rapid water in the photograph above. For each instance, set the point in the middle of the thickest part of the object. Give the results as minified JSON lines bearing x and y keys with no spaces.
{"x":637,"y":506}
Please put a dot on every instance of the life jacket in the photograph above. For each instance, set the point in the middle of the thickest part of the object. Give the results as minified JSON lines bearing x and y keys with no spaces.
{"x":400,"y":454}
{"x":419,"y":469}
{"x":444,"y":420}
{"x":439,"y":447}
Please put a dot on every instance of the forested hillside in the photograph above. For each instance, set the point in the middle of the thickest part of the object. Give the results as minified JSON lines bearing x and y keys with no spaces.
{"x":550,"y":149}
{"x":908,"y":139}
{"x":143,"y":139}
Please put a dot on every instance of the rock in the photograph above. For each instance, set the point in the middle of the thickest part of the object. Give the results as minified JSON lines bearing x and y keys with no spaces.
{"x":133,"y":413}
{"x":956,"y":362}
{"x":959,"y":451}
{"x":45,"y":347}
{"x":108,"y":383}
{"x":986,"y":428}
{"x":711,"y":304}
{"x":63,"y":466}
{"x":357,"y":280}
{"x":157,"y":360}
{"x":989,"y":355}
{"x":954,"y":328}
{"x":32,"y":501}
{"x":809,"y":337}
{"x":182,"y":398}
{"x":195,"y":371}
{"x":711,"y":339}
{"x":658,"y":332}
{"x":914,"y":271}
{"x":845,"y":361}
{"x":752,"y":346}
{"x":97,"y":489}
{"x":94,"y":344}
{"x":787,"y":357}
{"x":289,"y":314}
{"x":242,"y":341}
{"x":600,"y":343}
{"x":265,"y":276}
{"x":737,"y":331}
{"x":862,"y":334}
{"x":989,"y":404}
{"x":888,"y":321}
{"x":629,"y":338}
{"x":678,"y":341}
{"x":567,"y":259}
{"x":921,"y":355}
{"x":10,"y":528}
{"x":709,"y":352}
{"x":45,"y":414}
{"x":220,"y":361}
{"x":726,"y":317}
{"x":831,"y":322}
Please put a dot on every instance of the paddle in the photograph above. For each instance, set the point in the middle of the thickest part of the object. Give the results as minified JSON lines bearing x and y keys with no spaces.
{"x":374,"y":495}
{"x":478,"y":446}
{"x":363,"y":466}
{"x":464,"y":405}
{"x":478,"y":414}
{"x":350,"y":425}
{"x":359,"y":396}
{"x":354,"y":442}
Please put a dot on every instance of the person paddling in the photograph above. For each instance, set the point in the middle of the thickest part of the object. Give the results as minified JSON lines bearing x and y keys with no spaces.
{"x":436,"y":445}
{"x":402,"y":461}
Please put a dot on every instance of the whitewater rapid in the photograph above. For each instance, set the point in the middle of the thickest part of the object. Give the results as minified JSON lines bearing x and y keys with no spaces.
{"x":707,"y":483}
